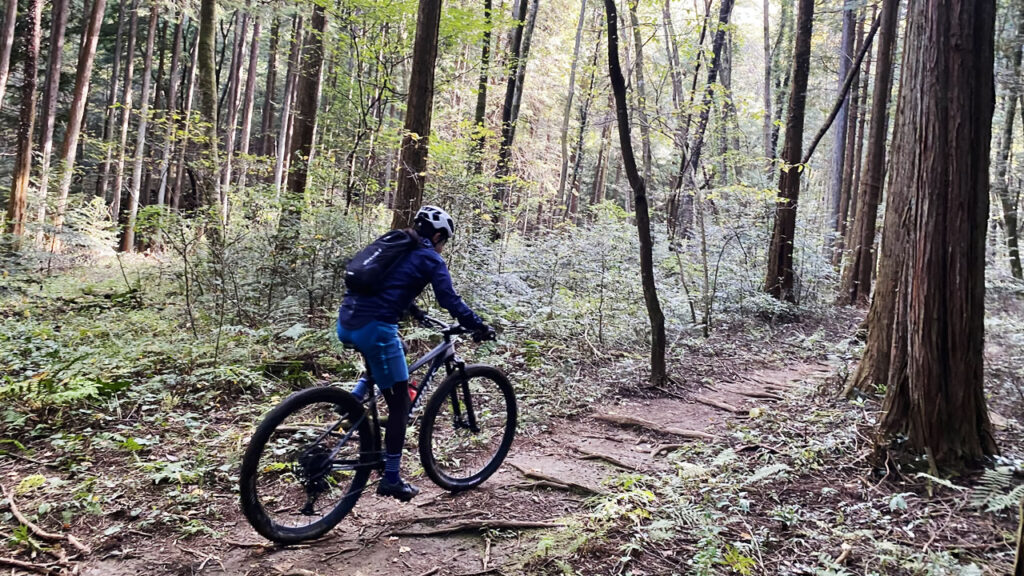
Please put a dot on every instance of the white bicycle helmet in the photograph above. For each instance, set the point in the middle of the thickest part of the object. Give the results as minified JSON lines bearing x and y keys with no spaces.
{"x":436,"y":219}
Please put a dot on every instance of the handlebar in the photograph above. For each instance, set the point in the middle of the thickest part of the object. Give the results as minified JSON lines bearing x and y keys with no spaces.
{"x":447,"y":330}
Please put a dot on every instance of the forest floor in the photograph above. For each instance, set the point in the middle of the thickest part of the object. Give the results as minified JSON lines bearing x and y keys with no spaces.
{"x":143,"y":471}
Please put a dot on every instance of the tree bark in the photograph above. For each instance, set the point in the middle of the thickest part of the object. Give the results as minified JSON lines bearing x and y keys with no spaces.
{"x":209,"y":184}
{"x":846,"y":55}
{"x":126,"y":110}
{"x":641,"y":92}
{"x":854,"y":138}
{"x":779,"y":280}
{"x":856,"y":280}
{"x":189,"y":97}
{"x":926,"y":336}
{"x":26,"y":122}
{"x":636,"y":183}
{"x":128,"y":237}
{"x":232,"y":103}
{"x":1007,"y":200}
{"x":515,"y":45}
{"x":766,"y":129}
{"x":110,"y":112}
{"x":564,"y":172}
{"x":83,"y":75}
{"x":58,"y":24}
{"x":286,"y":107}
{"x":248,"y":101}
{"x":412,"y":169}
{"x":517,"y":100}
{"x":6,"y":44}
{"x":307,"y":92}
{"x":267,"y":116}
{"x":171,"y":108}
{"x":480,"y":113}
{"x":783,"y":69}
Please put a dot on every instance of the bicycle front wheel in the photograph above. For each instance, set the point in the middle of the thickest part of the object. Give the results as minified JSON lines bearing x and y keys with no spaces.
{"x":306,"y":465}
{"x":467,"y":427}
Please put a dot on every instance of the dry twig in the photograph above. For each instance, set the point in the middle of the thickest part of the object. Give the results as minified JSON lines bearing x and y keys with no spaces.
{"x":51,"y":536}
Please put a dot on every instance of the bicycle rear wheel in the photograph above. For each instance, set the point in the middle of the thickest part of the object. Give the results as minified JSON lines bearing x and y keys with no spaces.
{"x":306,"y":465}
{"x":468,"y":427}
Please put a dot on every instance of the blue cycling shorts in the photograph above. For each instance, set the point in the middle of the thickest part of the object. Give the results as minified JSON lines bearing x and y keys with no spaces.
{"x":382,"y":348}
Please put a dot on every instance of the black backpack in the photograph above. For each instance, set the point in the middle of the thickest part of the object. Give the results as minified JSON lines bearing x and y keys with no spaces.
{"x":366,"y":271}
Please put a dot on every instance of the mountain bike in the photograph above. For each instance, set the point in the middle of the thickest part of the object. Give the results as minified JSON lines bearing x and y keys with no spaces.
{"x":309,"y":460}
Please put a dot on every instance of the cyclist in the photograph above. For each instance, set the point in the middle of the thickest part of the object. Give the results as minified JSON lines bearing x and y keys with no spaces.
{"x":370,"y":324}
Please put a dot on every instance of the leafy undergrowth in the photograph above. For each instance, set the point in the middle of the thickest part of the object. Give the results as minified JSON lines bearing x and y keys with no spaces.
{"x":792,"y":490}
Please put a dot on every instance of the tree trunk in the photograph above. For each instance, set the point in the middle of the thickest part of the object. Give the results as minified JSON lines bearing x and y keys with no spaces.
{"x":851,"y":162}
{"x":783,"y":70}
{"x":179,"y":177}
{"x":307,"y":92}
{"x":209,"y":184}
{"x":286,"y":107}
{"x":126,"y":110}
{"x":412,"y":167}
{"x":846,"y":54}
{"x":926,"y":335}
{"x":110,"y":112}
{"x":641,"y":92}
{"x":766,"y":129}
{"x":480,"y":113}
{"x":58,"y":23}
{"x":231,"y":126}
{"x":6,"y":43}
{"x":568,"y":102}
{"x":171,"y":108}
{"x":515,"y":45}
{"x":248,"y":101}
{"x":26,"y":122}
{"x":1007,"y":200}
{"x":636,"y":183}
{"x":856,"y":280}
{"x":517,"y":100}
{"x":779,"y":280}
{"x":267,"y":117}
{"x":572,"y":194}
{"x":128,"y":238}
{"x":76,"y":115}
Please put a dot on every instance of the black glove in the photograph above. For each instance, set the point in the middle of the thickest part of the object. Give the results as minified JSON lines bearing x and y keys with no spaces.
{"x":417,"y":313}
{"x":484,"y":332}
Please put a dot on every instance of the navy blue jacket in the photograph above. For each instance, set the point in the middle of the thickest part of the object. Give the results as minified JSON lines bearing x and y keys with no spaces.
{"x":405,"y":281}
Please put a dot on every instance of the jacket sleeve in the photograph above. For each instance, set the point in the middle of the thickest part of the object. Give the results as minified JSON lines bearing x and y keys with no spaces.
{"x":446,"y":296}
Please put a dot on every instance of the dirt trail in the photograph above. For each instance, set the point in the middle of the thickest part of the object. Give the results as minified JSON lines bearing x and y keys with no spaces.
{"x":583,"y":454}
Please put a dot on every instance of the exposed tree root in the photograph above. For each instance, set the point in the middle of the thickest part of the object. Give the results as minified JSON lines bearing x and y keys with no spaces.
{"x":754,"y":394}
{"x":470,"y":525}
{"x":641,"y":423}
{"x":666,"y":448}
{"x":552,"y":481}
{"x":51,"y":536}
{"x":589,"y":455}
{"x":37,"y":568}
{"x":719,"y":404}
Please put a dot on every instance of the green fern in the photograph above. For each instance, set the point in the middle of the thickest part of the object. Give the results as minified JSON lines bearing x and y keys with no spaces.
{"x":994,"y":493}
{"x":766,"y":472}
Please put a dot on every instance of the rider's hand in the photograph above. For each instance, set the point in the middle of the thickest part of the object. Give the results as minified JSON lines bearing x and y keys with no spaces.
{"x":484,"y":332}
{"x":417,"y":313}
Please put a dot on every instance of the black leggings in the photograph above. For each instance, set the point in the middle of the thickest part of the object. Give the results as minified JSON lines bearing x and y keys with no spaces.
{"x":397,"y":398}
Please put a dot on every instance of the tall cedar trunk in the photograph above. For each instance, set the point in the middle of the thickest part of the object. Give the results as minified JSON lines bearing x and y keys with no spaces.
{"x":26,"y":122}
{"x":515,"y":44}
{"x":779,"y":280}
{"x":146,"y":191}
{"x":126,"y":110}
{"x":480,"y":113}
{"x":517,"y":100}
{"x":572,"y":194}
{"x":110,"y":112}
{"x":58,"y":23}
{"x":248,"y":101}
{"x":307,"y":91}
{"x":564,"y":172}
{"x":766,"y":129}
{"x":76,"y":115}
{"x":6,"y":44}
{"x":1007,"y":199}
{"x":783,"y":70}
{"x":412,"y":168}
{"x":603,"y":155}
{"x":209,"y":185}
{"x":232,"y":103}
{"x":641,"y":92}
{"x":170,"y":103}
{"x":267,"y":116}
{"x":853,"y":149}
{"x":846,"y":52}
{"x":856,"y":281}
{"x":237,"y":45}
{"x":128,"y":237}
{"x":636,"y":182}
{"x":858,"y":154}
{"x":926,"y":326}
{"x":286,"y":107}
{"x":189,"y":97}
